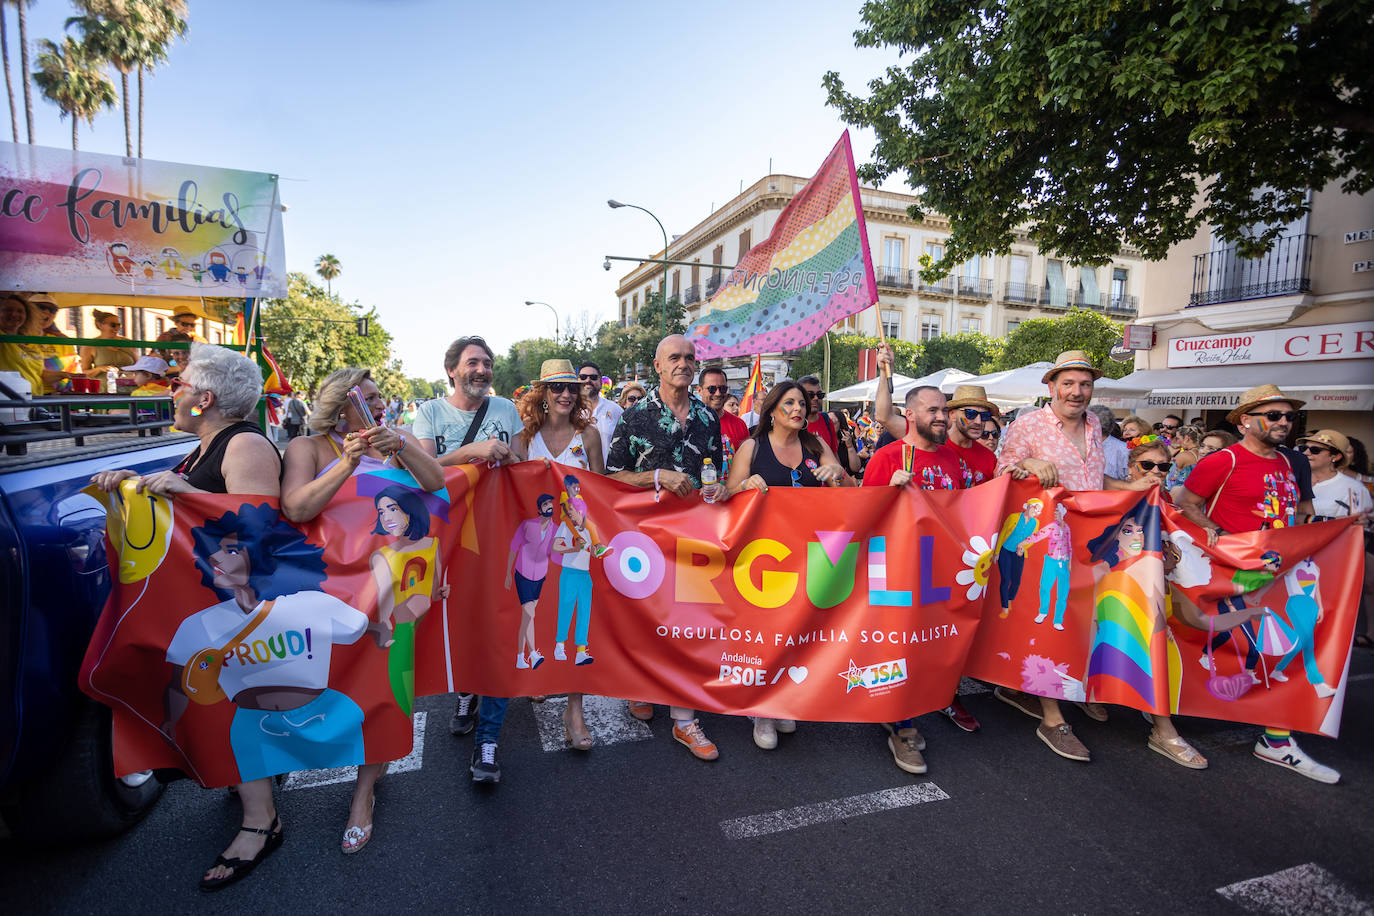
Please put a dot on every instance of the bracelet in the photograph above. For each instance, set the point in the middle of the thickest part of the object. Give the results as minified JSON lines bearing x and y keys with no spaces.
{"x":658,"y":488}
{"x":403,"y":446}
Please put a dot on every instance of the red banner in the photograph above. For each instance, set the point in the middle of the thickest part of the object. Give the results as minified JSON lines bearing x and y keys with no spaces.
{"x":270,"y":648}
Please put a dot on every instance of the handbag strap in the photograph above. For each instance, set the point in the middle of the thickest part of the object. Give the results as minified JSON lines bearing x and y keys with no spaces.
{"x":1217,"y":495}
{"x":476,"y":423}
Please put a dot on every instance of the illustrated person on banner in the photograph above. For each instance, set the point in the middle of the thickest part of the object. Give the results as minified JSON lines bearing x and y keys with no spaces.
{"x":1011,"y":558}
{"x":1304,"y":610}
{"x":574,"y":507}
{"x":923,"y":459}
{"x":663,"y":442}
{"x":1054,"y":574}
{"x":526,"y":568}
{"x":348,"y":442}
{"x":1250,"y":486}
{"x":783,"y":453}
{"x":574,"y":544}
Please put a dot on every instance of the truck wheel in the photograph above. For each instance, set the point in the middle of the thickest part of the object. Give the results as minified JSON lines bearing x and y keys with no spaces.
{"x":79,"y":798}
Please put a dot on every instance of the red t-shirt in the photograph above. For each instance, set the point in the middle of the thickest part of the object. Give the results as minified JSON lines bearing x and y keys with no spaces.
{"x":1259,"y":494}
{"x":732,"y":428}
{"x":978,"y":462}
{"x":937,"y":470}
{"x":821,"y":429}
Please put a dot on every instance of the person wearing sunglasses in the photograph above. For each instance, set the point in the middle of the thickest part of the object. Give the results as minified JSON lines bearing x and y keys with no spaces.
{"x":1251,"y":486}
{"x":1169,"y":426}
{"x":604,"y":412}
{"x":714,"y":389}
{"x":630,"y":395}
{"x":783,"y":453}
{"x":1334,"y":495}
{"x":820,"y":423}
{"x":970,"y":414}
{"x":97,"y":361}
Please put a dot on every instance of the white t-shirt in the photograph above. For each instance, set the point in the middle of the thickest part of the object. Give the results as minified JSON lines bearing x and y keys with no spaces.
{"x":1339,"y":497}
{"x":573,"y":454}
{"x":290,"y":648}
{"x":607,"y":415}
{"x":447,"y":425}
{"x":581,"y":559}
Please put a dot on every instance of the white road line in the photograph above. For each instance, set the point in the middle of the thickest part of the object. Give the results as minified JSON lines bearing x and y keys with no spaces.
{"x":313,"y":779}
{"x":835,"y":810}
{"x":1302,"y":889}
{"x":968,"y":687}
{"x":608,"y":720}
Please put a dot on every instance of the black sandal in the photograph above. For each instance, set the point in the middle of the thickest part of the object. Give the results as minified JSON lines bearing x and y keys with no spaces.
{"x":1362,"y":641}
{"x":243,"y":867}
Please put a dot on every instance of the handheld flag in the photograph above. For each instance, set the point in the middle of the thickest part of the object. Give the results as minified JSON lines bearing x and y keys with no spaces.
{"x":753,"y":389}
{"x":812,"y":271}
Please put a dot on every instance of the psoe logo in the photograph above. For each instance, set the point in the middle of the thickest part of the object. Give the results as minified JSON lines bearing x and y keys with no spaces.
{"x":873,"y":677}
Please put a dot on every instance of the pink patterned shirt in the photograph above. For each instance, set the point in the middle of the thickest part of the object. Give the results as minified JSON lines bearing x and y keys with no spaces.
{"x":1041,"y":435}
{"x":1061,"y":541}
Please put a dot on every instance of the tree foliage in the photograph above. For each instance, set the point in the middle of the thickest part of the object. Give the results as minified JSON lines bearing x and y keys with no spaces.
{"x":69,"y":76}
{"x":1042,"y":339}
{"x":312,"y":333}
{"x":1092,"y":123}
{"x":972,"y":352}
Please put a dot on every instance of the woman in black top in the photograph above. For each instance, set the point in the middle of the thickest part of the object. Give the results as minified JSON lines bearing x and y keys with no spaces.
{"x":213,"y":397}
{"x":781,"y":453}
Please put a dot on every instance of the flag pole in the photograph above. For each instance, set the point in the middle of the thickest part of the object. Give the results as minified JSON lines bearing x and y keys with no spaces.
{"x":882,"y":336}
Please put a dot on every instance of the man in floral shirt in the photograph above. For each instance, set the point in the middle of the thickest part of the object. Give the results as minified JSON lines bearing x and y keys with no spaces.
{"x":662,"y":442}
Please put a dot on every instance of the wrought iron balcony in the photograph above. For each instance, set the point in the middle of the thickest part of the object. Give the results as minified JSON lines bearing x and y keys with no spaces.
{"x":1093,"y":302}
{"x":1224,"y":276}
{"x":693,"y":294}
{"x":896,"y":277}
{"x":975,"y":288}
{"x":713,"y":283}
{"x":1123,"y":305}
{"x":941,"y":287}
{"x":1022,"y":293}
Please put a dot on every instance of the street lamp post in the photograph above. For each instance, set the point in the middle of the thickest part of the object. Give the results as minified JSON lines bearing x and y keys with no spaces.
{"x":555,"y":316}
{"x":663,"y":316}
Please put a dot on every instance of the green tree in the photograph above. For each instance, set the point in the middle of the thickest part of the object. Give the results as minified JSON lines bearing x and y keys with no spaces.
{"x":1042,"y":339}
{"x":844,"y":358}
{"x":327,"y":266}
{"x":20,"y":6}
{"x":113,"y":30}
{"x":163,"y":21}
{"x":970,"y":351}
{"x":311,"y":334}
{"x":1092,"y":123}
{"x":5,"y":54}
{"x":68,"y":77}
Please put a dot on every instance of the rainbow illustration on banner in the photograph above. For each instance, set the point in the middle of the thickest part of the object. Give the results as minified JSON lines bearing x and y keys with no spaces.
{"x":812,"y":271}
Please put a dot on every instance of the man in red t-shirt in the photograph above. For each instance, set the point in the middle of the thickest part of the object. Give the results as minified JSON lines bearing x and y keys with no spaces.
{"x":819,"y":423}
{"x":714,"y":389}
{"x":1251,"y":487}
{"x":968,"y":411}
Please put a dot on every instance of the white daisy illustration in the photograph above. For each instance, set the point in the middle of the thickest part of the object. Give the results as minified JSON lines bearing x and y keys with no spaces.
{"x":978,"y":562}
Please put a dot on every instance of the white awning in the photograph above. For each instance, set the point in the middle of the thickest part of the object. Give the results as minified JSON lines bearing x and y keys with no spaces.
{"x":1336,"y":385}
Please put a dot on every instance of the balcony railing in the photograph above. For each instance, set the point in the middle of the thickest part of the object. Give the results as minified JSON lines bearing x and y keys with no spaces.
{"x":1093,"y":302}
{"x":975,"y":288}
{"x":942,"y":287}
{"x":1021,"y":292}
{"x":896,"y":277}
{"x":1123,"y":305}
{"x":1224,"y":276}
{"x":713,"y":283}
{"x":692,"y":295}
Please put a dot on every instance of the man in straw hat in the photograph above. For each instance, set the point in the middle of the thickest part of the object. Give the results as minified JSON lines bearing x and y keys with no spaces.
{"x":1060,"y":444}
{"x":969,"y":410}
{"x":662,"y":443}
{"x":1251,"y":486}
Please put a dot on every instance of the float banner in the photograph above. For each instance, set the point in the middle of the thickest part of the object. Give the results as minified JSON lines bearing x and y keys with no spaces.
{"x":812,"y":271}
{"x":236,"y":646}
{"x":91,"y":223}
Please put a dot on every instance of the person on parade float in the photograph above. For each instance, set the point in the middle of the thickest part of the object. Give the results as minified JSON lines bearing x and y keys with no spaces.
{"x":97,"y":361}
{"x":783,"y":453}
{"x":213,"y":400}
{"x":343,"y":443}
{"x":663,"y":442}
{"x":1251,"y":486}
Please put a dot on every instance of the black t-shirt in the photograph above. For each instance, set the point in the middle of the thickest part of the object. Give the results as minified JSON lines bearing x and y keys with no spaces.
{"x":204,"y":471}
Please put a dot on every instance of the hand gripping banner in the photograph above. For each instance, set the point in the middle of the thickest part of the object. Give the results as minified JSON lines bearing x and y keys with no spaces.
{"x":270,"y":647}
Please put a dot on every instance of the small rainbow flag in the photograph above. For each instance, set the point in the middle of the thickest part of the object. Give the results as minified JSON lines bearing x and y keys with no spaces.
{"x":812,"y":271}
{"x":753,"y":389}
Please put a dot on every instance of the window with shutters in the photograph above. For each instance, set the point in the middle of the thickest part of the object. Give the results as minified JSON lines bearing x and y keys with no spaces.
{"x":744,"y":244}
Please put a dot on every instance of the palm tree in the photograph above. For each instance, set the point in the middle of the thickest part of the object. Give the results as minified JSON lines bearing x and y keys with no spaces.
{"x":111,"y":30}
{"x":165,"y":20}
{"x":23,"y":64}
{"x":9,"y":85}
{"x":327,"y":266}
{"x":70,"y":77}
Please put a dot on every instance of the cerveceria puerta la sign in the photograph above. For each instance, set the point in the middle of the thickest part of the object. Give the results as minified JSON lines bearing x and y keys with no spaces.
{"x":1353,"y":340}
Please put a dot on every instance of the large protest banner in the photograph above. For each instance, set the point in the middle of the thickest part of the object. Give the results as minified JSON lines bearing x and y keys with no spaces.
{"x":80,"y":222}
{"x":235,"y":645}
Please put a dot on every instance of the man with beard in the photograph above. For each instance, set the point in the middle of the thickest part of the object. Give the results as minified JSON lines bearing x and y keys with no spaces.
{"x":920,"y":458}
{"x":1060,"y":444}
{"x":662,"y":443}
{"x":714,"y":389}
{"x":1251,"y":486}
{"x":969,"y":410}
{"x":605,"y":413}
{"x":469,"y":426}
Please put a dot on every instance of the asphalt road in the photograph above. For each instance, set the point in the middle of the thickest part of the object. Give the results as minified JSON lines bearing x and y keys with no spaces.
{"x":999,"y":825}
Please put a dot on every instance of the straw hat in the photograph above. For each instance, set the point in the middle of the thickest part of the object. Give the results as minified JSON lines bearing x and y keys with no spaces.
{"x":1072,"y":359}
{"x":972,"y":396}
{"x":1260,"y":394}
{"x":555,"y":370}
{"x":1331,"y":439}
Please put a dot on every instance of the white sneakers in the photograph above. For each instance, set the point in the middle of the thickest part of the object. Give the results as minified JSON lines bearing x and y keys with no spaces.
{"x":765,"y":734}
{"x":1291,"y":756}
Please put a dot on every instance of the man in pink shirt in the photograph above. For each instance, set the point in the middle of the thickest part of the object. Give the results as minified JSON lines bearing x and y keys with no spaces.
{"x":527,"y":566}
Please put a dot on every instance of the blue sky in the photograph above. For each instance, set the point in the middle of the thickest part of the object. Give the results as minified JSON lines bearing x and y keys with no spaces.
{"x":456,"y":158}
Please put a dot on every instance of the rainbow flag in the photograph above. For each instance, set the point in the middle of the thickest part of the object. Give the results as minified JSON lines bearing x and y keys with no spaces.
{"x":753,"y":390}
{"x":812,"y":271}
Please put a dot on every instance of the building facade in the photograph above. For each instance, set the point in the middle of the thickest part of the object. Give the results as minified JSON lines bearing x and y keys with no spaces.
{"x":992,"y":294}
{"x":1301,"y":317}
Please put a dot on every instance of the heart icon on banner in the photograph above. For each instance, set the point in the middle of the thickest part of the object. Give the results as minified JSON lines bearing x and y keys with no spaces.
{"x":797,"y":674}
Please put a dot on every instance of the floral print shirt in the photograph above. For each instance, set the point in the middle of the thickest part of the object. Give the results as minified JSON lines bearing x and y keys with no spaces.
{"x":649,"y":437}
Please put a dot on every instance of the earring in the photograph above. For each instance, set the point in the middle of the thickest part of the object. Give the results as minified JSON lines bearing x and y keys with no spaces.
{"x":196,"y":411}
{"x":544,"y":406}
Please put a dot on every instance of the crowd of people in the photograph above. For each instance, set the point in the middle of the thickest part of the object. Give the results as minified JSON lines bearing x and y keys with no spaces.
{"x":682,"y":436}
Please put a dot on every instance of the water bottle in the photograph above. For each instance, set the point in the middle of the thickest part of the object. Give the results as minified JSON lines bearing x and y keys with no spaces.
{"x":111,"y":381}
{"x":708,"y":477}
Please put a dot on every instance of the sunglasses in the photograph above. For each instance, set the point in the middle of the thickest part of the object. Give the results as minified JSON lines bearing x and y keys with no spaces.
{"x":1163,"y":466}
{"x":48,"y":309}
{"x":560,"y":387}
{"x":1166,"y":427}
{"x":796,"y":478}
{"x":993,"y":433}
{"x":971,"y":413}
{"x":817,"y":395}
{"x":633,"y":399}
{"x":1316,"y":449}
{"x":590,"y":378}
{"x":716,"y":389}
{"x":178,"y":384}
{"x":1274,"y":416}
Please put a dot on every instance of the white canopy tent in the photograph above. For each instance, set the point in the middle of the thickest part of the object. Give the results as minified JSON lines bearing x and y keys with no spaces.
{"x":937,"y":379}
{"x":868,"y":390}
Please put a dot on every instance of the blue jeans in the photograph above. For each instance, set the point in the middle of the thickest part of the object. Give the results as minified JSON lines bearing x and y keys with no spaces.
{"x":491,"y":712}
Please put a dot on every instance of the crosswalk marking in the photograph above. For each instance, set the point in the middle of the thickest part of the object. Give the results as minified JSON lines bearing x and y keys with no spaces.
{"x":1302,"y":889}
{"x":607,"y":719}
{"x":313,"y":779}
{"x":838,"y":809}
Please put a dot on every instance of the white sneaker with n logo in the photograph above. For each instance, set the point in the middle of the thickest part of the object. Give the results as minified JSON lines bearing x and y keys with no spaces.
{"x":1291,"y":756}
